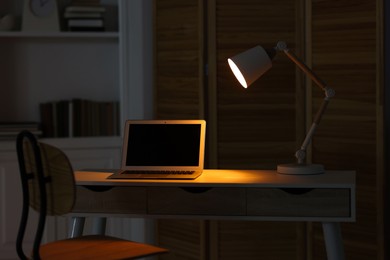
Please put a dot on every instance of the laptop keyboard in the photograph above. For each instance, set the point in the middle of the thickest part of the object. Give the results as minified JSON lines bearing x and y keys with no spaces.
{"x":159,"y":172}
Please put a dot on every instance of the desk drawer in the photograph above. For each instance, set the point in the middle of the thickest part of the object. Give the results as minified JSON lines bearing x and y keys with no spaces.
{"x":123,"y":200}
{"x":299,"y":202}
{"x":196,"y":201}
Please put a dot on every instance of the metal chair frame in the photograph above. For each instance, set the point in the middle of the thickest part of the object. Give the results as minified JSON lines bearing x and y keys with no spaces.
{"x":25,"y":178}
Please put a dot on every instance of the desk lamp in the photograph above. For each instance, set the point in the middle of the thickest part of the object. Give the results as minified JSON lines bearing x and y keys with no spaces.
{"x":249,"y":65}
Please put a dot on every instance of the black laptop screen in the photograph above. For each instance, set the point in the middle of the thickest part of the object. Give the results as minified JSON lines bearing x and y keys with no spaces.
{"x":163,"y":145}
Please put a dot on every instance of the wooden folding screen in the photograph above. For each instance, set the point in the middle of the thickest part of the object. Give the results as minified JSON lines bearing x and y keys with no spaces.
{"x":263,"y":126}
{"x":256,"y":127}
{"x":346,"y":51}
{"x":179,"y":95}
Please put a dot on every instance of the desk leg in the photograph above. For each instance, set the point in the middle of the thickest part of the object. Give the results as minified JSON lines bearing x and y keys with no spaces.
{"x":99,"y":226}
{"x":333,"y":240}
{"x":77,"y":227}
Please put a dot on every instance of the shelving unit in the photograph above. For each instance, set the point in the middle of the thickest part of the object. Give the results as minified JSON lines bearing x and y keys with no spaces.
{"x":40,"y":67}
{"x":36,"y":67}
{"x":17,"y":34}
{"x":112,"y":65}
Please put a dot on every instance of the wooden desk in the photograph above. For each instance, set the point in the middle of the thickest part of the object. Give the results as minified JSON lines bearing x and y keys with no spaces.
{"x":226,"y":194}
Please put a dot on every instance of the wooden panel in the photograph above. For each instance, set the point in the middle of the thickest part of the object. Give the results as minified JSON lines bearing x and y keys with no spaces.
{"x":344,"y":45}
{"x":299,"y":202}
{"x":178,"y":59}
{"x":197,"y":201}
{"x":115,"y":200}
{"x":178,"y":95}
{"x":246,"y":240}
{"x":256,"y":127}
{"x":182,"y":238}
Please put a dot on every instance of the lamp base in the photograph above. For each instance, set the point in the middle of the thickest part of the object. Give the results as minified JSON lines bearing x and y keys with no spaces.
{"x":300,"y":169}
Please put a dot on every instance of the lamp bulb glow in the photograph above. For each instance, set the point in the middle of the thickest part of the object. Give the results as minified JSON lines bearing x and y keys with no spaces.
{"x":237,"y":73}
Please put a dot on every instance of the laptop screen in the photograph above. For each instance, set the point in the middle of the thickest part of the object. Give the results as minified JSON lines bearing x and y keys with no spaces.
{"x":170,"y":144}
{"x":163,"y":145}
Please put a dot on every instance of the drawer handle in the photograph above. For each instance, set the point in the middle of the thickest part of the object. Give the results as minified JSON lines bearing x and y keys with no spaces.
{"x":297,"y":191}
{"x":196,"y":189}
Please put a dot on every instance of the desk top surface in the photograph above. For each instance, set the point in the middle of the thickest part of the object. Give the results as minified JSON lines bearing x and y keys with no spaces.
{"x":227,"y":178}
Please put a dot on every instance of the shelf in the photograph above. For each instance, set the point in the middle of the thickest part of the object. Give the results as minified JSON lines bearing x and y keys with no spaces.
{"x":40,"y":67}
{"x":71,"y":143}
{"x":19,"y":34}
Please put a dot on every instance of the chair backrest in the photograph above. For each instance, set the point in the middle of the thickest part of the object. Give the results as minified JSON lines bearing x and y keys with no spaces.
{"x":48,"y":185}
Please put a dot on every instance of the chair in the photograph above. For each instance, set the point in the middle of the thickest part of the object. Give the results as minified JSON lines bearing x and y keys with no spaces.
{"x":49,"y":187}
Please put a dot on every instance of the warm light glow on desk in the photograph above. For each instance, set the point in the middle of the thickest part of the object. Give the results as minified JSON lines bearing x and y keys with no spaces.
{"x":250,"y":65}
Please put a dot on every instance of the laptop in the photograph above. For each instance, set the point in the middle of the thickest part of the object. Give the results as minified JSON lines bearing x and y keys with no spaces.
{"x":162,"y":149}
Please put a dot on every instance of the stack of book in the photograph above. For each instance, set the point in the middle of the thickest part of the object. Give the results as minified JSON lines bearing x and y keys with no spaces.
{"x":9,"y":130}
{"x":80,"y":117}
{"x":85,"y":15}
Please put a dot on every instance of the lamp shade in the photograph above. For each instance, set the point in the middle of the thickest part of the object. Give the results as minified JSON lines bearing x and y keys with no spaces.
{"x":249,"y":65}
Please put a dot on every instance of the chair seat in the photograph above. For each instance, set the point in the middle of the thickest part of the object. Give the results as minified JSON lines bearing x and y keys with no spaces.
{"x":97,"y":247}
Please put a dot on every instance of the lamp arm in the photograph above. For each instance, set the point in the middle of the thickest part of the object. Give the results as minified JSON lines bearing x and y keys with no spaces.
{"x":329,"y":93}
{"x":301,"y":153}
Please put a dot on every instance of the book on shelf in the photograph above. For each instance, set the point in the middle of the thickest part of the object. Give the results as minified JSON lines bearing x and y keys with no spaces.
{"x":85,"y":25}
{"x":86,"y":22}
{"x":85,"y":2}
{"x":79,"y":118}
{"x":9,"y":130}
{"x":85,"y":16}
{"x":85,"y":9}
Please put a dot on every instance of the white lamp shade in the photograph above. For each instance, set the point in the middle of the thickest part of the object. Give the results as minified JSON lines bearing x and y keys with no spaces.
{"x":249,"y":65}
